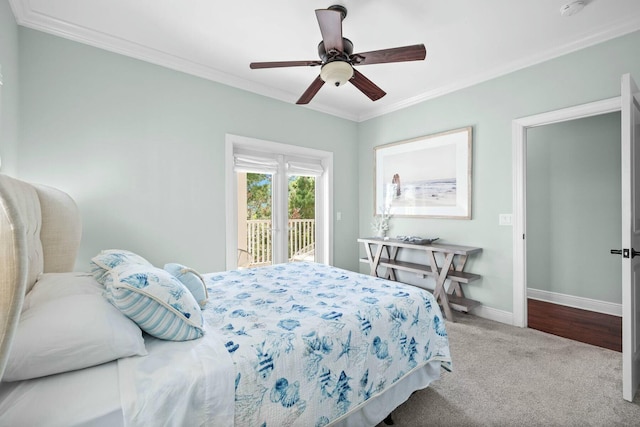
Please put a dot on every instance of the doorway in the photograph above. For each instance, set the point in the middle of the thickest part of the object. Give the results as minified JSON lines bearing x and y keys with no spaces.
{"x":573,"y":211}
{"x":520,"y":127}
{"x":629,"y":105}
{"x":278,"y":203}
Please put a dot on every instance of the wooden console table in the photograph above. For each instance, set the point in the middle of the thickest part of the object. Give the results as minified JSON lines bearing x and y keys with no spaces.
{"x":383,"y":253}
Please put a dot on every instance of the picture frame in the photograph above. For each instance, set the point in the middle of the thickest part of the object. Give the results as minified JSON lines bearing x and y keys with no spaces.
{"x":428,"y":176}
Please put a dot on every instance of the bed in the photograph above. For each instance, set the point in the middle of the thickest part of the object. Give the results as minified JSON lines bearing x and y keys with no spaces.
{"x":292,"y":344}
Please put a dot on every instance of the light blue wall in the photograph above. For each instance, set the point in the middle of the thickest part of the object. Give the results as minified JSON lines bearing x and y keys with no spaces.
{"x":9,"y":90}
{"x":141,"y":147}
{"x":573,"y":208}
{"x":584,"y":76}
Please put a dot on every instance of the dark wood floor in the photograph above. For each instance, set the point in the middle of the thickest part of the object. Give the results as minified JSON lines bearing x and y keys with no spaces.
{"x":602,"y":330}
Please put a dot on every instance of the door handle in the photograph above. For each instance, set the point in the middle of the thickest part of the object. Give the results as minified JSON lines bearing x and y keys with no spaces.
{"x":625,"y":252}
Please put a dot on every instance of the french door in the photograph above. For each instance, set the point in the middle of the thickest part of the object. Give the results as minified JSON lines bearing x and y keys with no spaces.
{"x":278,"y":203}
{"x":255,"y":218}
{"x":276,"y":224}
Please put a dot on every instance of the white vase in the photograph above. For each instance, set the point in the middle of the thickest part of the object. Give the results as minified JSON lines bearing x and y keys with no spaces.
{"x":381,"y":233}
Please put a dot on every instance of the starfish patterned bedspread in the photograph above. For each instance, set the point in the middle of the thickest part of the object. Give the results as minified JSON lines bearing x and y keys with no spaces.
{"x":312,"y":342}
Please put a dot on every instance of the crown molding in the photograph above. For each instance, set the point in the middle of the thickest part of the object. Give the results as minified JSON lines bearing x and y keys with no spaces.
{"x":41,"y":22}
{"x":591,"y":40}
{"x":47,"y":24}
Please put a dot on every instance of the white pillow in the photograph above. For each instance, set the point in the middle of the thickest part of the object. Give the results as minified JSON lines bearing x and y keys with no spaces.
{"x":157,"y":301}
{"x":108,"y":259}
{"x":192,"y":280}
{"x":50,"y":286}
{"x":69,"y":333}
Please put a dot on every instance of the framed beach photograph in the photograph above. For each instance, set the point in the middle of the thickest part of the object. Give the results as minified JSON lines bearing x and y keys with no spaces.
{"x":429,"y":176}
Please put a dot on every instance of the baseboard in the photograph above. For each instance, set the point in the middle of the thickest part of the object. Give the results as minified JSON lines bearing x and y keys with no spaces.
{"x":576,"y":302}
{"x":493,"y":314}
{"x":506,"y":317}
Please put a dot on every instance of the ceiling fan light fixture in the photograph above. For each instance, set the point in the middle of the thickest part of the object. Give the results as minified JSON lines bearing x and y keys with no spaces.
{"x":336,"y":73}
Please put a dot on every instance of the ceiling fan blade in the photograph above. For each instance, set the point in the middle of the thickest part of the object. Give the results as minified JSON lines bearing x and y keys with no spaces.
{"x":277,"y":64}
{"x":366,"y":86}
{"x":311,"y":91}
{"x":398,"y":54}
{"x":330,"y":22}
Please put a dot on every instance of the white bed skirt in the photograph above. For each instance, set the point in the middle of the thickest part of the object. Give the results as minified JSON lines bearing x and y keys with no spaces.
{"x":90,"y":397}
{"x":379,"y":407}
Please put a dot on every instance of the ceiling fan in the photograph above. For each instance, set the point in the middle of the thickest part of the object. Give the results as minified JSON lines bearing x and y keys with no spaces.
{"x":337,"y":58}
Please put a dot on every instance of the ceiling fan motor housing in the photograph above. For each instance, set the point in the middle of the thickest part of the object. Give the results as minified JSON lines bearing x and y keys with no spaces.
{"x":347,"y":50}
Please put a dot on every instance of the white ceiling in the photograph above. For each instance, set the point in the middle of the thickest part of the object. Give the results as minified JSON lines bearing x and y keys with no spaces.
{"x":467,"y":41}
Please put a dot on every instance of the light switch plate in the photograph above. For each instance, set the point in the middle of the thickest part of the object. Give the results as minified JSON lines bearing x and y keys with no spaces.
{"x":505,"y":219}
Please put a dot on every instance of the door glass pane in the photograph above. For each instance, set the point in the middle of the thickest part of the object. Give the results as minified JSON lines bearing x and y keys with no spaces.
{"x":302,"y":220}
{"x":255,"y":242}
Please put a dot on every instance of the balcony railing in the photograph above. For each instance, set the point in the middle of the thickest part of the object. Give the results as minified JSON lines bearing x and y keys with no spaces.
{"x":301,"y":242}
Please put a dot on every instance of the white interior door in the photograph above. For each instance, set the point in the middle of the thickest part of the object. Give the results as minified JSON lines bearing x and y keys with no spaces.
{"x":630,"y":237}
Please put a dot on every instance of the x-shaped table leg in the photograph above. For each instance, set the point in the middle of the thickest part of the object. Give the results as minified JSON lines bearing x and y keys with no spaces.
{"x":374,"y":260}
{"x":440,"y":292}
{"x":454,"y":287}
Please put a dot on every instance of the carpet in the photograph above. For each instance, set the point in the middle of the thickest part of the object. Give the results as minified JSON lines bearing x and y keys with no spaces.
{"x":508,"y":376}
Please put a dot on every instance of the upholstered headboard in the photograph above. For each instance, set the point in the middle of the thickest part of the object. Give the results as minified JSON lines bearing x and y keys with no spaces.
{"x":40,"y":232}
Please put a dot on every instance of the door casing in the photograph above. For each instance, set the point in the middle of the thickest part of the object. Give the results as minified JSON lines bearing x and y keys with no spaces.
{"x":519,"y":138}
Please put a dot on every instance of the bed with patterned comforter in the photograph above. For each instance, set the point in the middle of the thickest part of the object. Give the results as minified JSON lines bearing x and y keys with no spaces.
{"x":312,"y":342}
{"x":307,"y":344}
{"x":297,"y":344}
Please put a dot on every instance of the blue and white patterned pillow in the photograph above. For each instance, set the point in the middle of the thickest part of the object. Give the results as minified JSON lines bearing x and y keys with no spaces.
{"x":108,"y":259}
{"x":192,"y":280}
{"x":157,"y":301}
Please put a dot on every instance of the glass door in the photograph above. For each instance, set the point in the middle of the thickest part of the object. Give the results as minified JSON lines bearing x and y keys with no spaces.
{"x":302,"y":218}
{"x":256,"y":223}
{"x":255,"y":219}
{"x":278,"y":203}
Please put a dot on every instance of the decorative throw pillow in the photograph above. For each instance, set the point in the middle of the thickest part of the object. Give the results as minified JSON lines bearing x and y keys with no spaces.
{"x":111,"y":258}
{"x":192,"y":280}
{"x":157,"y":301}
{"x":74,"y":331}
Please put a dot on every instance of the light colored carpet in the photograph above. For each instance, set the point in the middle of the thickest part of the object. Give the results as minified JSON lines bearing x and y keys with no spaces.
{"x":509,"y":376}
